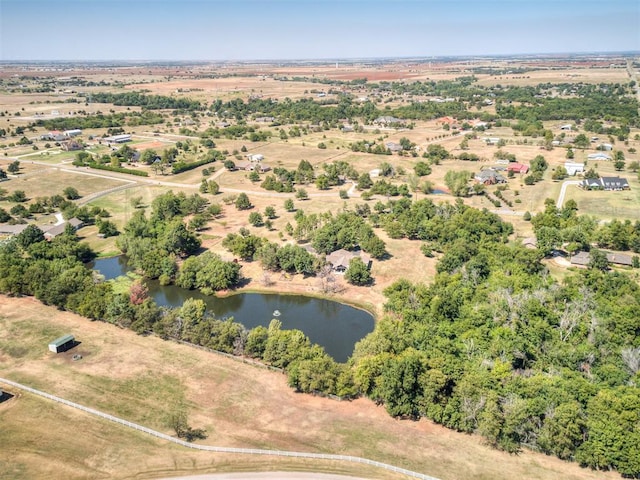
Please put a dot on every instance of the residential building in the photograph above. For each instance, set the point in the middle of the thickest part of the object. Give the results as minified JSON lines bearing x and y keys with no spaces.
{"x":598,"y":156}
{"x":393,"y":146}
{"x":118,"y":138}
{"x":517,"y":168}
{"x":489,"y":177}
{"x":573,"y":168}
{"x":605,"y":183}
{"x":340,"y":259}
{"x":56,"y":230}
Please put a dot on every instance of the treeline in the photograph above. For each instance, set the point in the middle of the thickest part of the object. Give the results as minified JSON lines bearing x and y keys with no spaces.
{"x":564,"y":228}
{"x":150,"y":102}
{"x":100,"y":120}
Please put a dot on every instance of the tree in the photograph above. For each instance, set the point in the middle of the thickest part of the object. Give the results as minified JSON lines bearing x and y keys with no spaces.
{"x":457,"y":182}
{"x":302,"y":194}
{"x":213,"y":187}
{"x":107,"y":228}
{"x":634,"y":166}
{"x":357,"y":273}
{"x":288,"y":205}
{"x":270,"y":212}
{"x":559,"y":173}
{"x":598,"y":260}
{"x":421,"y":169}
{"x":30,"y":235}
{"x":255,"y":219}
{"x":18,"y":196}
{"x":229,"y":165}
{"x":71,"y":193}
{"x":243,"y":202}
{"x":618,"y":165}
{"x":14,"y":167}
{"x":570,"y":154}
{"x":364,"y":181}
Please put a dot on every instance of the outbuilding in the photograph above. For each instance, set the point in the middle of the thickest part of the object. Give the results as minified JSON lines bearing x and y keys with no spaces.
{"x":62,"y":344}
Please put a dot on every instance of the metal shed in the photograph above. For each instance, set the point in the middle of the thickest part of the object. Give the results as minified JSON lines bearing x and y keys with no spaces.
{"x":62,"y":344}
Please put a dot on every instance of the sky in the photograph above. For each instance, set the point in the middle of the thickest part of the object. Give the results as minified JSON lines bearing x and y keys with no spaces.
{"x":210,"y":30}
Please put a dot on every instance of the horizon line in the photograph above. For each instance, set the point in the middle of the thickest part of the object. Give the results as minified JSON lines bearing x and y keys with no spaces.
{"x":332,"y":59}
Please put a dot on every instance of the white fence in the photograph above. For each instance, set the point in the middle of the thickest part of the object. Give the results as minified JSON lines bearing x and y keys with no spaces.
{"x":210,"y":448}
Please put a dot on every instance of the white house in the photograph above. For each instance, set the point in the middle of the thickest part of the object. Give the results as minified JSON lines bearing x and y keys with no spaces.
{"x":574,"y":167}
{"x":255,"y":157}
{"x":598,"y":156}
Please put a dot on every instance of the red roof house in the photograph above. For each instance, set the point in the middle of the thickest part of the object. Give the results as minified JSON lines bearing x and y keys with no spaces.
{"x":517,"y":168}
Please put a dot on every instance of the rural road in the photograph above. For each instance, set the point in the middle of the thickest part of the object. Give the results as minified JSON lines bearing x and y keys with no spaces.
{"x":211,"y":448}
{"x":266,"y":476}
{"x":563,"y":191}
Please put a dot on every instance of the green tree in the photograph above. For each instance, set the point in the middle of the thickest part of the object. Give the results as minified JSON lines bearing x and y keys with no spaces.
{"x":288,"y":205}
{"x":358,"y":273}
{"x":71,"y":193}
{"x":243,"y":202}
{"x":255,"y":219}
{"x":14,"y":167}
{"x":270,"y":212}
{"x":457,"y":182}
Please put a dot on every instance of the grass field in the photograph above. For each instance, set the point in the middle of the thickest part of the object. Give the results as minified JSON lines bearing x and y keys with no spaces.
{"x":144,"y":379}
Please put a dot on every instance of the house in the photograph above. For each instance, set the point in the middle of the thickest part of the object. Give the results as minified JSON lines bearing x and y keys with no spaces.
{"x":56,"y":230}
{"x":62,"y":344}
{"x":605,"y":183}
{"x":347,"y":128}
{"x":581,"y":259}
{"x":598,"y":156}
{"x":489,"y":177}
{"x":72,"y":133}
{"x":248,"y":166}
{"x":607,"y":147}
{"x":54,"y":135}
{"x":262,"y":168}
{"x":573,"y":168}
{"x":387,"y":120}
{"x":567,"y":128}
{"x":620,"y":259}
{"x":118,"y":138}
{"x":614,"y":183}
{"x":11,"y":230}
{"x":375,"y":173}
{"x":393,"y":146}
{"x":517,"y":168}
{"x":491,"y":140}
{"x":255,"y":157}
{"x":340,"y":259}
{"x":71,"y":146}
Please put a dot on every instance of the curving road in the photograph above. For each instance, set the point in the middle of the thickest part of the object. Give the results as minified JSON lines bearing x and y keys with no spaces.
{"x":563,"y":191}
{"x":245,"y":451}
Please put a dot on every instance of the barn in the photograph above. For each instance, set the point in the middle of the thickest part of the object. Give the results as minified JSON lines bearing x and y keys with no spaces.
{"x":62,"y":344}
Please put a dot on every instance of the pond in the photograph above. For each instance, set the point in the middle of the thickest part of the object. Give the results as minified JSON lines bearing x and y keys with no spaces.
{"x":334,"y":326}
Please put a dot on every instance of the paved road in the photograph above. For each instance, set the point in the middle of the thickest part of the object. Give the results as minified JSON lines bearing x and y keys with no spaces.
{"x":209,"y":448}
{"x":563,"y":191}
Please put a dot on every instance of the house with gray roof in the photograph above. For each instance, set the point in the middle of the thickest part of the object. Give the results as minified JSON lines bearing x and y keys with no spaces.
{"x":489,"y":177}
{"x":340,"y":259}
{"x":605,"y":183}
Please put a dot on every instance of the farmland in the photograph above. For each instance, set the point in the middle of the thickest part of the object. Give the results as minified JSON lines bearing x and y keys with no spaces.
{"x":398,"y":132}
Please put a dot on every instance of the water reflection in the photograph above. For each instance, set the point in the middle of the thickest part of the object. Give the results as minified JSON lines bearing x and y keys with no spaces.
{"x":334,"y":326}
